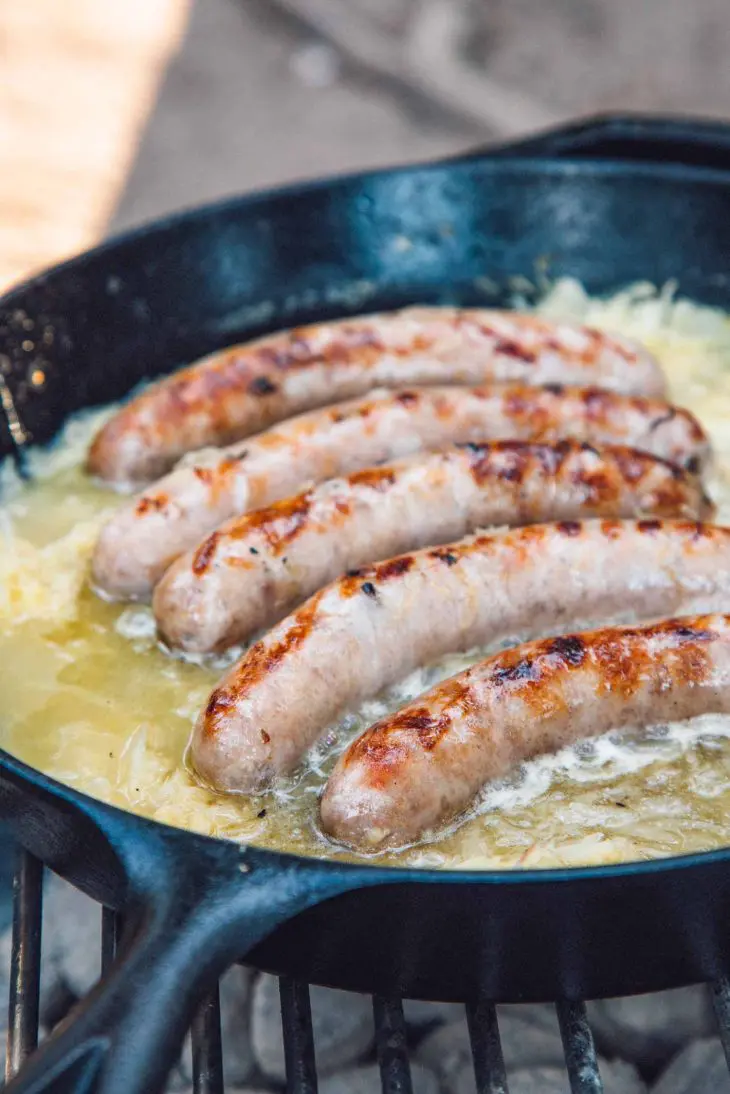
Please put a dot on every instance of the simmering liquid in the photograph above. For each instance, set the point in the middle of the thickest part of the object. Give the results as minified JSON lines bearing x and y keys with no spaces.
{"x":90,"y":697}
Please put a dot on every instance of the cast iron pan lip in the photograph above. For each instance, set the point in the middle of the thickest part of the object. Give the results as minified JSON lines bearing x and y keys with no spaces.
{"x":97,"y":809}
{"x":496,"y":163}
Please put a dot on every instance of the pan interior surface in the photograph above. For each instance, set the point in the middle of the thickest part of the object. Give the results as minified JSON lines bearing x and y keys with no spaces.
{"x":111,"y":713}
{"x":478,"y":232}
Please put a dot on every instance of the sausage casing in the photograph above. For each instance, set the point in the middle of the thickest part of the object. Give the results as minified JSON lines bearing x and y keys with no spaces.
{"x":255,"y":569}
{"x":371,"y":628}
{"x":424,"y":764}
{"x":243,"y":389}
{"x":147,"y":533}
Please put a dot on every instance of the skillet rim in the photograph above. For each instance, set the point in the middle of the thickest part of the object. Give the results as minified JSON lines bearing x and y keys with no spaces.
{"x":96,"y":809}
{"x":563,"y":167}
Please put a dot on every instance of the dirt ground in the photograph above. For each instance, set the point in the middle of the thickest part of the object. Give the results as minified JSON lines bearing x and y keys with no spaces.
{"x":265,"y":91}
{"x":111,"y":114}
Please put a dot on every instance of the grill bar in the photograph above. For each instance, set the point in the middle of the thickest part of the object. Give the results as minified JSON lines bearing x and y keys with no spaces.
{"x":25,"y":962}
{"x":721,"y":1003}
{"x":296,"y":1020}
{"x":391,"y":1046}
{"x":580,"y":1052}
{"x":486,"y":1049}
{"x":207,"y":1048}
{"x":109,"y":938}
{"x":390,"y":1027}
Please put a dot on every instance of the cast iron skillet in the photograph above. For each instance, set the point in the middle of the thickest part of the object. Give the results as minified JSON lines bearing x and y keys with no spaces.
{"x":607,"y":202}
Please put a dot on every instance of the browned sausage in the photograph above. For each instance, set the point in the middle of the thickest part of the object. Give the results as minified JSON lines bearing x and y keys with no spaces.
{"x":371,"y":628}
{"x":253,"y":570}
{"x":243,"y":389}
{"x":147,"y":533}
{"x":424,"y":764}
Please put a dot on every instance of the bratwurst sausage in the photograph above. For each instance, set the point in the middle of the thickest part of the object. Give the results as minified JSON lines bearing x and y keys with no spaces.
{"x":246,"y":388}
{"x":424,"y":764}
{"x":258,"y":567}
{"x":374,"y":626}
{"x":147,"y":533}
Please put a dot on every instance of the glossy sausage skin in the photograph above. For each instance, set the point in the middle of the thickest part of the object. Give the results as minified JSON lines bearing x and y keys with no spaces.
{"x":148,"y":532}
{"x":255,"y":569}
{"x":244,"y":389}
{"x":371,"y":628}
{"x":424,"y":764}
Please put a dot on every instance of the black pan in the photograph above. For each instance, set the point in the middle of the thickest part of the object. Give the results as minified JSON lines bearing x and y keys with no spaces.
{"x":608,"y":202}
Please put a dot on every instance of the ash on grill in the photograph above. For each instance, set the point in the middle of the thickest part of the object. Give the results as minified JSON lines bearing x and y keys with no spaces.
{"x":665,"y":1043}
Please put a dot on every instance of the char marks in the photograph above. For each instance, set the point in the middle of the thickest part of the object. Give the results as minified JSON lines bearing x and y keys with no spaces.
{"x":260,"y":661}
{"x":423,"y":765}
{"x":238,"y":391}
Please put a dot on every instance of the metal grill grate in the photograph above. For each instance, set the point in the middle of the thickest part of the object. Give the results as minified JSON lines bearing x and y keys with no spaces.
{"x":390,"y":1029}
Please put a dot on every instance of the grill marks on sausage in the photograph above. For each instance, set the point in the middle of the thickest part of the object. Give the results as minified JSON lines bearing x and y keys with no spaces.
{"x":260,"y":661}
{"x":662,"y":420}
{"x":384,"y":746}
{"x":616,"y":468}
{"x":264,"y":658}
{"x":283,"y":521}
{"x":204,"y":555}
{"x":241,"y":390}
{"x":624,"y":656}
{"x":393,"y":567}
{"x":383,"y":751}
{"x":571,"y":647}
{"x":518,"y":458}
{"x":509,"y":348}
{"x":376,"y":478}
{"x":363,"y":408}
{"x":151,"y":503}
{"x":359,"y":342}
{"x":352,"y":344}
{"x":277,"y":524}
{"x":443,"y":554}
{"x":626,"y":659}
{"x":518,"y":463}
{"x":407,"y":398}
{"x":537,"y":673}
{"x":248,"y":368}
{"x":381,"y":572}
{"x":355,"y":581}
{"x":633,"y":465}
{"x":529,"y":410}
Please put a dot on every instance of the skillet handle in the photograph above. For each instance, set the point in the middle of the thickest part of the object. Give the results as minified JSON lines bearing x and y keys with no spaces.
{"x":629,"y":137}
{"x":201,"y":915}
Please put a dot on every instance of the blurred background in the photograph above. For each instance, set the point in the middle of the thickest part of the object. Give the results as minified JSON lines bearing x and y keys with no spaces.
{"x":115,"y":112}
